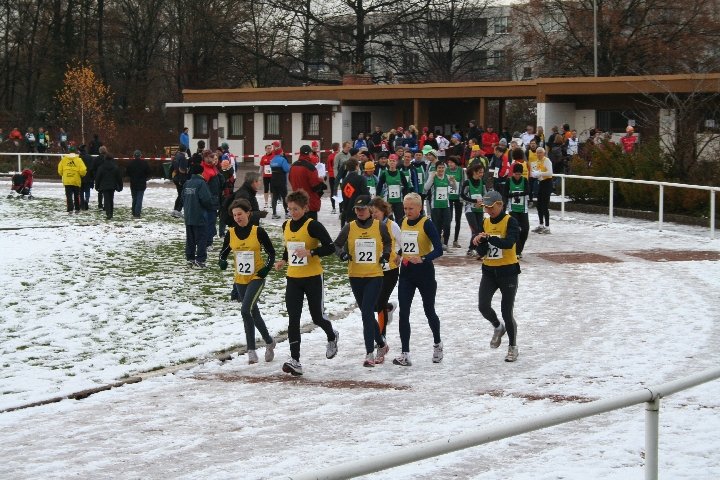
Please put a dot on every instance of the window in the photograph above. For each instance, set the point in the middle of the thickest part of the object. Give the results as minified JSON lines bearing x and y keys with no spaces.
{"x":235,"y":124}
{"x":479,"y":27}
{"x":478,"y":58}
{"x":501,"y":25}
{"x":311,"y":125}
{"x":201,"y":125}
{"x":272,"y":125}
{"x":497,"y":57}
{"x":527,"y":72}
{"x":360,"y":123}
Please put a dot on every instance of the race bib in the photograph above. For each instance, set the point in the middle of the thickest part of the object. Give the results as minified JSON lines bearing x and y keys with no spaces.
{"x":365,"y":250}
{"x":394,"y":191}
{"x":441,"y":193}
{"x":476,"y":196}
{"x":494,"y":253}
{"x":410,"y":245}
{"x":371,"y":190}
{"x":517,"y":200}
{"x":245,"y":262}
{"x":293,"y":259}
{"x":453,"y":189}
{"x":267,"y":170}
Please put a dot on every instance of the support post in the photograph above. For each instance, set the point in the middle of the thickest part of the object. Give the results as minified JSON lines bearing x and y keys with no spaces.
{"x":562,"y":198}
{"x":652,"y":424}
{"x":19,"y":163}
{"x":612,"y":200}
{"x":712,"y":213}
{"x":661,"y":204}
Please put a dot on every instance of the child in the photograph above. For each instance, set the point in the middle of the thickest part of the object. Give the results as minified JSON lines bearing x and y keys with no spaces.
{"x":421,"y":245}
{"x":306,"y":240}
{"x":245,"y":241}
{"x":365,"y":244}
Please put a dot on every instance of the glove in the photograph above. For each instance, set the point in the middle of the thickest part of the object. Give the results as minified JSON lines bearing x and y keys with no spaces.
{"x":223,"y":264}
{"x":262,"y":273}
{"x":345,"y":257}
{"x":384,"y":258}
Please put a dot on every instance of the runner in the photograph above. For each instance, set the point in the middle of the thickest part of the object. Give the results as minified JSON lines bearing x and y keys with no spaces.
{"x":365,"y":244}
{"x":306,"y":240}
{"x":381,"y":211}
{"x":496,"y":245}
{"x":245,"y":241}
{"x":518,"y":190}
{"x":472,"y":192}
{"x":421,"y":245}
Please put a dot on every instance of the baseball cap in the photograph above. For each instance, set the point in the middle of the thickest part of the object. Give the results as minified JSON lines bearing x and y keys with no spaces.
{"x":426,"y":149}
{"x":363,"y":201}
{"x":305,"y":150}
{"x":369,"y":166}
{"x":491,"y":198}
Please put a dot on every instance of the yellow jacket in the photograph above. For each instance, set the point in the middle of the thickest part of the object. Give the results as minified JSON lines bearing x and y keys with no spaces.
{"x":71,"y":168}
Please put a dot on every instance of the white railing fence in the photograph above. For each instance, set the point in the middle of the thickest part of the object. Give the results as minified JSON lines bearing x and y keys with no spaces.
{"x":20,"y":156}
{"x":661,"y":195}
{"x":650,"y":396}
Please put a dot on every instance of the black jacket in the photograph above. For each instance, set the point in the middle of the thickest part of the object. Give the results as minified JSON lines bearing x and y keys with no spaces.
{"x":245,"y":191}
{"x":356,"y":185}
{"x":108,"y":176}
{"x":138,"y":172}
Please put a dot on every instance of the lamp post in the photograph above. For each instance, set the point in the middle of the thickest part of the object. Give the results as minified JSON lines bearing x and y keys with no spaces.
{"x":595,"y":58}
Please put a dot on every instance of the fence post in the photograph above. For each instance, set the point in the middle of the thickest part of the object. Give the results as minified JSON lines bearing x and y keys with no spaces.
{"x":712,"y":213}
{"x":652,"y":422}
{"x":661,"y":205}
{"x":612,"y":199}
{"x":19,"y":163}
{"x":562,"y":197}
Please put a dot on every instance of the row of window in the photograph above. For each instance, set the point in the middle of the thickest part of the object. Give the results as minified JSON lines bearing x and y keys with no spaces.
{"x":236,"y":125}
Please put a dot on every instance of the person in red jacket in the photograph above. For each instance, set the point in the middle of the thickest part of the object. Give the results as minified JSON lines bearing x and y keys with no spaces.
{"x":315,"y":155}
{"x":490,"y":140}
{"x":629,"y":140}
{"x":266,"y":171}
{"x":304,"y":176}
{"x":330,"y":169}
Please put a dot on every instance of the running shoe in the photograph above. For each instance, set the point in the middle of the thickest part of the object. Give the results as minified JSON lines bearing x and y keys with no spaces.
{"x":512,"y":354}
{"x":252,"y":357}
{"x":332,"y":347}
{"x":437,"y":352}
{"x":270,"y":351}
{"x":369,"y":360}
{"x":381,"y":352}
{"x":403,"y":360}
{"x":293,"y":367}
{"x":497,"y":336}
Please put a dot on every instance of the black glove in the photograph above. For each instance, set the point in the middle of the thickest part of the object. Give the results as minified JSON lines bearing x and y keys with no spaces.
{"x":345,"y":256}
{"x":262,"y":273}
{"x":223,"y":264}
{"x":384,"y":258}
{"x":233,"y":293}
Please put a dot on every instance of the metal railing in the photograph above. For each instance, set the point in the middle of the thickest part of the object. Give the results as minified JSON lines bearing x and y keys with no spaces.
{"x":19,"y":156}
{"x":650,"y":396}
{"x":661,"y":195}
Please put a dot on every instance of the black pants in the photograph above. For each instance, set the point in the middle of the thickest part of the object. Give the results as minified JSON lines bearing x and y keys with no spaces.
{"x":72,"y":197}
{"x":441,"y":217}
{"x":420,"y":277}
{"x":457,"y":207}
{"x":398,"y":212}
{"x":296,"y":290}
{"x":108,"y":202}
{"x":179,"y":200}
{"x":366,"y":290}
{"x":475,"y":220}
{"x":524,"y":222}
{"x":543,"y":202}
{"x":331,"y":184}
{"x":390,"y":279}
{"x":489,"y":284}
{"x":278,"y":193}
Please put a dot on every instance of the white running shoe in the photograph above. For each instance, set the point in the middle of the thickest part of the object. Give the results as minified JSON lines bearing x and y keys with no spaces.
{"x":252,"y":357}
{"x":538,"y":229}
{"x":332,"y":347}
{"x":403,"y":360}
{"x":369,"y":360}
{"x":512,"y":354}
{"x":293,"y":367}
{"x":497,"y":336}
{"x":381,"y":352}
{"x":270,"y":351}
{"x":437,"y":352}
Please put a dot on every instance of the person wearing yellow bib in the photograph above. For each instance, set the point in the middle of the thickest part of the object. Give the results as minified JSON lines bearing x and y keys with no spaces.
{"x":495,"y":243}
{"x":306,"y":240}
{"x":381,"y":211}
{"x":420,"y":245}
{"x":245,"y":242}
{"x":365,"y":244}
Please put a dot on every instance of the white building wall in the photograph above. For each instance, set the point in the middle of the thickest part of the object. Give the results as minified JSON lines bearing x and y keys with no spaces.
{"x":667,"y":128}
{"x":555,"y":114}
{"x":379,"y":115}
{"x":584,"y":121}
{"x":296,"y":137}
{"x":337,"y":127}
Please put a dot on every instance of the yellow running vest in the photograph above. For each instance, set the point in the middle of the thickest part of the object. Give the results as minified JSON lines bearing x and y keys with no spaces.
{"x":301,"y":267}
{"x":247,"y":256}
{"x":365,"y":248}
{"x":415,"y":242}
{"x":497,"y":257}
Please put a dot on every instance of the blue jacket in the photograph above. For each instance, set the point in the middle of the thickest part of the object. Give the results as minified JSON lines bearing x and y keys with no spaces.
{"x":196,"y":200}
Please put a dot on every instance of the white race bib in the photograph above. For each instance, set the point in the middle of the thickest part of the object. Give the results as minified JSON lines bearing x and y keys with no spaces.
{"x":245,"y":262}
{"x":371,"y":190}
{"x":267,"y":170}
{"x":365,"y":250}
{"x":410,"y":245}
{"x":441,"y":193}
{"x":394,"y":191}
{"x":293,"y":259}
{"x":494,"y":253}
{"x":453,"y":189}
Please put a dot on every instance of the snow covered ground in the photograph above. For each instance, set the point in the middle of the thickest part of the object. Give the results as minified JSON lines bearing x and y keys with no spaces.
{"x":87,"y":302}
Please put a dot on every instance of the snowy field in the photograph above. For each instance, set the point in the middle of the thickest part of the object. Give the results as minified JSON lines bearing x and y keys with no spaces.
{"x":88,"y":302}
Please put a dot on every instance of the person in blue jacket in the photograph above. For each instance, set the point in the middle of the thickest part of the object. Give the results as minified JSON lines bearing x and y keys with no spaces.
{"x":279,"y":166}
{"x":196,"y":204}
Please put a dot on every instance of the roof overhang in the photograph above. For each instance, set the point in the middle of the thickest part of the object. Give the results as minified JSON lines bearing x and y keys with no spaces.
{"x":264,"y":103}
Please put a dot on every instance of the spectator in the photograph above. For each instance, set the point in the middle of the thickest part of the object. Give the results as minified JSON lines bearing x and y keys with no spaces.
{"x":266,"y":172}
{"x":108,"y":180}
{"x":353,"y":185}
{"x":185,"y":140}
{"x":30,"y":140}
{"x":278,"y":183}
{"x":474,"y":132}
{"x":490,"y":140}
{"x":43,"y":140}
{"x":179,"y":173}
{"x":63,"y":140}
{"x":248,"y":191}
{"x":71,"y":169}
{"x":303,"y":176}
{"x":138,"y":171}
{"x":95,"y":144}
{"x":330,"y":169}
{"x":211,"y":174}
{"x":88,"y":181}
{"x":196,"y":202}
{"x":97,"y":162}
{"x":360,"y":142}
{"x":629,"y":140}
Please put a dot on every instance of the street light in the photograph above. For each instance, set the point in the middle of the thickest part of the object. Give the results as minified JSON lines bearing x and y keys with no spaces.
{"x":595,"y":63}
